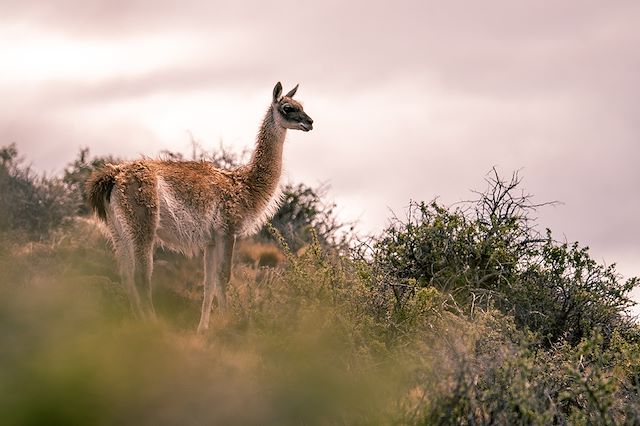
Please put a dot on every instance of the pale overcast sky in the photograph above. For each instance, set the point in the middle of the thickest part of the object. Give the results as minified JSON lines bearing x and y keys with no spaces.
{"x":411,"y":99}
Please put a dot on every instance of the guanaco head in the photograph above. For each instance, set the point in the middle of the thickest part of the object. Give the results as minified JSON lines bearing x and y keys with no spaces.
{"x":287,"y":112}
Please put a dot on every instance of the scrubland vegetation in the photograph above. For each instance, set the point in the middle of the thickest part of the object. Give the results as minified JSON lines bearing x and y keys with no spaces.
{"x":452,"y":315}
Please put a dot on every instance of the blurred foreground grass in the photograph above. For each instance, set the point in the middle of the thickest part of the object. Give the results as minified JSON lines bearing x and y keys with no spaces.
{"x":289,"y":353}
{"x":312,"y":341}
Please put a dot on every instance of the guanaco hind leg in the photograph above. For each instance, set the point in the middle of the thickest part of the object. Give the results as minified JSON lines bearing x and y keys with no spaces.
{"x":132,"y":217}
{"x":218,"y":258}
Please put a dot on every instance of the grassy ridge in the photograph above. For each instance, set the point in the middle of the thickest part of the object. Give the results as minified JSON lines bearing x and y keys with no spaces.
{"x":463,"y":315}
{"x":313,"y":341}
{"x":73,"y":355}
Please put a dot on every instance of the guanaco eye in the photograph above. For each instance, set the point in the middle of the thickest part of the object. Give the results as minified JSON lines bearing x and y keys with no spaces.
{"x":287,"y":108}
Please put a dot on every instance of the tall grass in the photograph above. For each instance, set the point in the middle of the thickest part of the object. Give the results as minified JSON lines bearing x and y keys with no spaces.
{"x":297,"y":349}
{"x":322,"y":340}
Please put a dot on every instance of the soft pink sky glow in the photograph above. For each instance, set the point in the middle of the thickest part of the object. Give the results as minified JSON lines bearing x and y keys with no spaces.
{"x":411,"y":99}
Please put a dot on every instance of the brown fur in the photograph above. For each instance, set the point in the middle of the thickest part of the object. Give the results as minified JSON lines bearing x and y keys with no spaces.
{"x":98,"y":189}
{"x":190,"y":205}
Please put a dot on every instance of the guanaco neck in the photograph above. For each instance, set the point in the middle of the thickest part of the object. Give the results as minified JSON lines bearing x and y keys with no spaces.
{"x":265,"y":167}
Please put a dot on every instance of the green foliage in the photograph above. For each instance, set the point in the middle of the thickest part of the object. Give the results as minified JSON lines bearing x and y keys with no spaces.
{"x":493,"y":379}
{"x":568,"y":295}
{"x":77,"y":173}
{"x":488,"y":254}
{"x":29,"y":203}
{"x":302,"y":211}
{"x":498,"y":376}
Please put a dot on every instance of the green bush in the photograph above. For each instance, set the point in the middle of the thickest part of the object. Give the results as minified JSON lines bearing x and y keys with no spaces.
{"x":76,"y":175}
{"x":488,"y":254}
{"x":30,"y":204}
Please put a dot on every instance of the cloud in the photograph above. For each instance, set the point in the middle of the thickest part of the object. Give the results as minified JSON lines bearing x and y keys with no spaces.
{"x":414,"y":99}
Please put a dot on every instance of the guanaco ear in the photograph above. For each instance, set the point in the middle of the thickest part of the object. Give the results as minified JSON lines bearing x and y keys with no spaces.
{"x":292,"y":92}
{"x":277,"y":92}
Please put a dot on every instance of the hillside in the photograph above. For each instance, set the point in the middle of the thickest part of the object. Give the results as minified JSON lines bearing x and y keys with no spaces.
{"x":451,"y":315}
